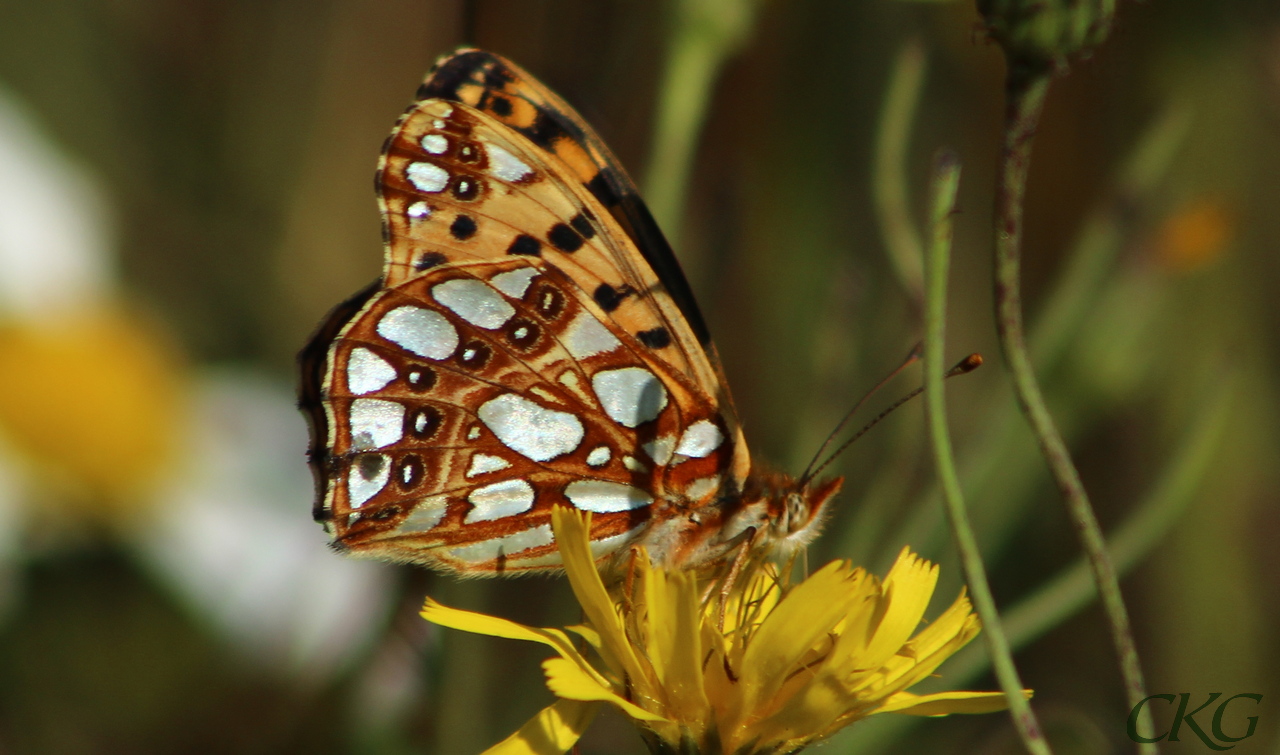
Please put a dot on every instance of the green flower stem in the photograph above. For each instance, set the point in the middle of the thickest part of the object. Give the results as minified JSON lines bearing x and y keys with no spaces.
{"x":945,"y":182}
{"x":1026,"y":92}
{"x":889,"y":168}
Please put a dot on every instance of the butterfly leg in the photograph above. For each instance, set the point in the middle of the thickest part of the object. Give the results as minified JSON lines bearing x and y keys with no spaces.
{"x":745,"y":540}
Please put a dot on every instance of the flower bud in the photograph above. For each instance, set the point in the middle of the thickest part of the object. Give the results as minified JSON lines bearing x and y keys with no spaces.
{"x":1043,"y":33}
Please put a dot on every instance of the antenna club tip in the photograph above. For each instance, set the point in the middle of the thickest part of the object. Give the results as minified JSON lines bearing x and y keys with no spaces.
{"x":968,"y":364}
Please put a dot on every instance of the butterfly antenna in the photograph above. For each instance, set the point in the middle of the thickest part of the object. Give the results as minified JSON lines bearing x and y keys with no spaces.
{"x":914,"y":356}
{"x":968,"y":364}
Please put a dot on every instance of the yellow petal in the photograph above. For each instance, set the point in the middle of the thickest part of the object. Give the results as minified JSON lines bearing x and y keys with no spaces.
{"x":802,"y":618}
{"x":591,"y":636}
{"x":567,"y":681}
{"x":479,"y":623}
{"x":945,"y":703}
{"x":553,"y":731}
{"x":672,"y":624}
{"x":571,"y":529}
{"x":938,"y":642}
{"x":907,"y":590}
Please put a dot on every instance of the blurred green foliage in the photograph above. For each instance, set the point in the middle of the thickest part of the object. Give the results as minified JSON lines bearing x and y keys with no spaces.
{"x":236,"y":141}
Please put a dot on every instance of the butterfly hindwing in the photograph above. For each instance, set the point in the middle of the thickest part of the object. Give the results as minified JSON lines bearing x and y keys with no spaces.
{"x":477,"y":396}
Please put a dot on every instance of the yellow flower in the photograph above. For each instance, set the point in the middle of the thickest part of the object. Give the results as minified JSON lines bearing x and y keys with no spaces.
{"x":786,"y":669}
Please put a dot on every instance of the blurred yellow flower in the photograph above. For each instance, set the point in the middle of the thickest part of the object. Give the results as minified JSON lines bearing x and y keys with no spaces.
{"x":94,"y":399}
{"x":787,"y":669}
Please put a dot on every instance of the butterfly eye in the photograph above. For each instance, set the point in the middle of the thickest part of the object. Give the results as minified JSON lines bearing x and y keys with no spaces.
{"x":549,"y":302}
{"x":424,"y":423}
{"x":420,"y":378}
{"x":474,"y":355}
{"x":523,"y":333}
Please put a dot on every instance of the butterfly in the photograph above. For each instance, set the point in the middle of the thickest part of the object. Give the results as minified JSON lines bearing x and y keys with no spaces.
{"x":532,"y":342}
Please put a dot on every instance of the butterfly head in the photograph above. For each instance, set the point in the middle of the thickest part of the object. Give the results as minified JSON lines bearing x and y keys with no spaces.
{"x":796,"y":513}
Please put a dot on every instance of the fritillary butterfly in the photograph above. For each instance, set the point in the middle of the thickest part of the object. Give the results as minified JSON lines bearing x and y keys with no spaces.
{"x":532,"y":342}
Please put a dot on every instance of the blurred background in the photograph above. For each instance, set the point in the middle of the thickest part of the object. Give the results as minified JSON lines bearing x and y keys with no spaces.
{"x":185,"y":191}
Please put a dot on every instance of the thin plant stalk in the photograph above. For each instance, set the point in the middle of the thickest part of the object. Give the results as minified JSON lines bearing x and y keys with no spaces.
{"x":945,"y":182}
{"x":1026,"y":91}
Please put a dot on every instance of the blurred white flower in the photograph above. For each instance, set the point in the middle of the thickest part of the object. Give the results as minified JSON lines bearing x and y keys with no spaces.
{"x":233,"y":532}
{"x":102,"y":423}
{"x":55,"y":234}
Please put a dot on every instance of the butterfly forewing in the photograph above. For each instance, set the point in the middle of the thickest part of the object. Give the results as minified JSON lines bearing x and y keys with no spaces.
{"x":519,"y":354}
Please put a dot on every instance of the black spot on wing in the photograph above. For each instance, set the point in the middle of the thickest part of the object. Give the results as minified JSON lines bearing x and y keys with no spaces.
{"x":546,"y":130}
{"x":564,"y":238}
{"x":608,"y":297}
{"x":601,"y":190}
{"x":463,"y":227}
{"x":582,"y":225}
{"x":525,"y":244}
{"x":656,"y":338}
{"x":428,"y":260}
{"x":501,"y":106}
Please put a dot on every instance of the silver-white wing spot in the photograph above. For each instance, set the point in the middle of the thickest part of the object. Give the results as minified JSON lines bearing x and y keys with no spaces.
{"x":427,"y":177}
{"x":533,"y":431}
{"x":375,"y":423}
{"x":474,"y":301}
{"x":488,"y":550}
{"x":586,"y":337}
{"x":514,"y":283}
{"x":700,"y":488}
{"x":599,"y":456}
{"x":418,"y":210}
{"x":484,"y":463}
{"x":498,"y":500}
{"x":659,"y":449}
{"x":435,"y":144}
{"x":603,"y":497}
{"x":630,"y":396}
{"x":367,"y":372}
{"x":424,"y":332}
{"x":367,"y":476}
{"x":700,"y":439}
{"x":506,"y":166}
{"x":426,"y":514}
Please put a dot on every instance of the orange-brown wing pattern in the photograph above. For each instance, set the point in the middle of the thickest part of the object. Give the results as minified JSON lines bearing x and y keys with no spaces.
{"x":462,"y":404}
{"x":519,"y":352}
